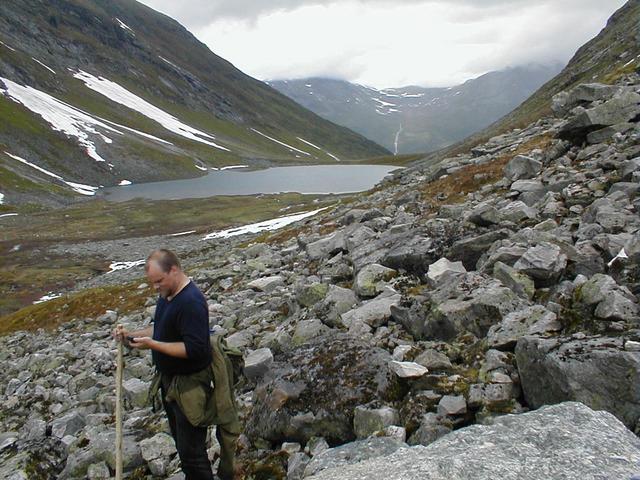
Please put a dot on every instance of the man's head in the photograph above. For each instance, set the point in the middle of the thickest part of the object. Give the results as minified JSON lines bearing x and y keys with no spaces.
{"x":164,"y":272}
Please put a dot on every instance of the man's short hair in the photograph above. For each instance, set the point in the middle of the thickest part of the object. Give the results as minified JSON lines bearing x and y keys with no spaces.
{"x":166,"y":259}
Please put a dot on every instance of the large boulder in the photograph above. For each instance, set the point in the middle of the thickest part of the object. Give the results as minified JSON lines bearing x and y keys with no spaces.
{"x":568,"y":441}
{"x":351,"y":453}
{"x":596,"y":371}
{"x":315,"y":388}
{"x":544,"y":263}
{"x":521,"y":167}
{"x":469,"y":302}
{"x":623,"y":107}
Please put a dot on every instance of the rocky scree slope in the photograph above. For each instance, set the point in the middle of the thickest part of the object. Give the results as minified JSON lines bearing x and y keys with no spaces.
{"x":103,"y":91}
{"x":398,"y":327}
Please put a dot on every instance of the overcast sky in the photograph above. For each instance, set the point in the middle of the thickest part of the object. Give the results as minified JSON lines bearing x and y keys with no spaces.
{"x":389,"y":43}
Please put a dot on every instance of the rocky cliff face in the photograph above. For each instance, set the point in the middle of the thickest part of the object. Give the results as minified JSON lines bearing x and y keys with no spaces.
{"x":495,"y":282}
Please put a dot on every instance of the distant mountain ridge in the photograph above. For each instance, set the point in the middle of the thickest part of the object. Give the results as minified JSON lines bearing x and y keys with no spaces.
{"x":97,"y":92}
{"x":417,"y":119}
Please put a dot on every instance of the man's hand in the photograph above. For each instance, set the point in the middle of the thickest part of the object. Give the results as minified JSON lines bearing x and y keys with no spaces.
{"x":141,"y":343}
{"x":120,"y":333}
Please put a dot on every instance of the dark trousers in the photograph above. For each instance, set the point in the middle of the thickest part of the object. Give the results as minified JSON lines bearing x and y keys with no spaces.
{"x":191,"y":443}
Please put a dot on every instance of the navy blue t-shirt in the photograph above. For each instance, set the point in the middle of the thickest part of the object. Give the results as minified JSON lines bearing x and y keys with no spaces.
{"x":184,"y":319}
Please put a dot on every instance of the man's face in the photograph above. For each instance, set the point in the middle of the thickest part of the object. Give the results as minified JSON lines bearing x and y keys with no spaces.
{"x":163,"y":282}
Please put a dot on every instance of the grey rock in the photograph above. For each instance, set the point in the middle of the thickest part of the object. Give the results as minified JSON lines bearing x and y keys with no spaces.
{"x":582,"y":94}
{"x":306,"y":330}
{"x":452,"y":405}
{"x":522,"y":167}
{"x":534,"y":319}
{"x":484,"y":215}
{"x":595,"y":371}
{"x":432,"y":427}
{"x":157,"y":452}
{"x":620,"y":109}
{"x":351,"y":453}
{"x":367,"y":421}
{"x":309,"y":295}
{"x":316,"y":445}
{"x":434,"y":360}
{"x":407,"y":369}
{"x":544,"y":262}
{"x":296,"y":466}
{"x":596,"y":289}
{"x":374,"y":313}
{"x":135,"y":392}
{"x":617,"y":306}
{"x":98,"y":471}
{"x":68,"y":425}
{"x":443,"y":268}
{"x":327,"y":246}
{"x":470,"y":249}
{"x":505,"y":450}
{"x":371,"y":280}
{"x":257,"y":363}
{"x":266,"y":284}
{"x":241,"y":339}
{"x":413,"y":255}
{"x":517,"y":281}
{"x":516,"y":212}
{"x":338,"y":300}
{"x":316,"y":387}
{"x":605,"y":134}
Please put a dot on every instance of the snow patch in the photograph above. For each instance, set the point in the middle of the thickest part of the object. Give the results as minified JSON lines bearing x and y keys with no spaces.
{"x":233,"y":167}
{"x":315,"y":146}
{"x":124,"y":182}
{"x":204,"y":169}
{"x":121,"y":95}
{"x":383,"y":103}
{"x":182,"y":233}
{"x":8,"y":215}
{"x":5,"y":45}
{"x":77,"y":187}
{"x":38,"y":61}
{"x":47,"y":297}
{"x":61,"y":116}
{"x":267,"y":225}
{"x":124,"y":26}
{"x":1,"y":198}
{"x":115,"y":266}
{"x":167,"y":61}
{"x":281,"y":143}
{"x":412,"y":95}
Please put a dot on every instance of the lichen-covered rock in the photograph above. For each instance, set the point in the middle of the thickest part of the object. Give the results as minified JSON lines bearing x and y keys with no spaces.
{"x":316,"y":387}
{"x":371,"y":280}
{"x":514,"y":447}
{"x":351,"y":453}
{"x":596,"y":371}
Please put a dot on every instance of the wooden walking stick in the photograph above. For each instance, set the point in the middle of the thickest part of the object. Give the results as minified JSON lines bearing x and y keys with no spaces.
{"x":119,"y":375}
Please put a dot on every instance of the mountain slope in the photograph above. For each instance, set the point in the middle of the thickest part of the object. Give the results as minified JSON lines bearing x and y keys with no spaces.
{"x":77,"y":76}
{"x":416,"y":119}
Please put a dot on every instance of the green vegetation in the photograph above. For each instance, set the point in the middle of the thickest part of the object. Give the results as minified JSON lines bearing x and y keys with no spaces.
{"x":29,"y":270}
{"x":86,"y":304}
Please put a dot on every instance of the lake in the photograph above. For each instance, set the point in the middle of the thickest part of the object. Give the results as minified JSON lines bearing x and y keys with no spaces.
{"x":315,"y":179}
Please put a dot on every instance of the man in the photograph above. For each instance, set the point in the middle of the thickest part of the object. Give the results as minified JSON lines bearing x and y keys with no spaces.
{"x":179,"y":340}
